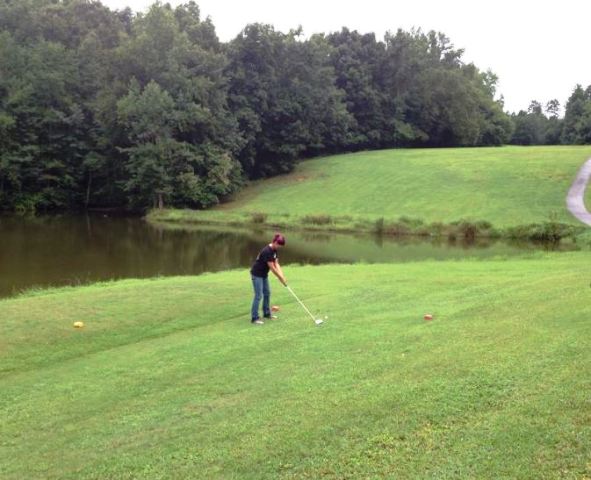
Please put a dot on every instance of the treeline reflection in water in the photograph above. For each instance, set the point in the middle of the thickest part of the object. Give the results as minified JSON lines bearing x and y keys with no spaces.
{"x":69,"y":250}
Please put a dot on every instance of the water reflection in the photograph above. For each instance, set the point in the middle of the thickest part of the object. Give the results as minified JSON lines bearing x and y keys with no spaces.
{"x":62,"y":250}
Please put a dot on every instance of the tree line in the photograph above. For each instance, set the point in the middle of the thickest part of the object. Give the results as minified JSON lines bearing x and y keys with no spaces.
{"x":102,"y":108}
{"x":541,"y":125}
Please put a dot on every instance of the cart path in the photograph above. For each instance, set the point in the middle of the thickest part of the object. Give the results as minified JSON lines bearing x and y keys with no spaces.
{"x":575,"y":199}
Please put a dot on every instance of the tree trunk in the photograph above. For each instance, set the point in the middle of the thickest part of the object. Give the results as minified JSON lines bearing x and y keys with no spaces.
{"x":160,"y":202}
{"x":88,"y":189}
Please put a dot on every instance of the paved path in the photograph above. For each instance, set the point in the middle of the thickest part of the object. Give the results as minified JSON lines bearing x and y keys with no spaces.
{"x":575,"y":199}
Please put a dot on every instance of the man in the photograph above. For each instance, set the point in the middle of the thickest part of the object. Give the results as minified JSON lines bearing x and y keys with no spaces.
{"x":266,"y":260}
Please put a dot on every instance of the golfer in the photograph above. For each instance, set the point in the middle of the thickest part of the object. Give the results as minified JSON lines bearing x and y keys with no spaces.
{"x":266,"y":260}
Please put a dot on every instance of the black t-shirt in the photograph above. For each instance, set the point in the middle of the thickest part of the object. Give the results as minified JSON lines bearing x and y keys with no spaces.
{"x":260,"y":267}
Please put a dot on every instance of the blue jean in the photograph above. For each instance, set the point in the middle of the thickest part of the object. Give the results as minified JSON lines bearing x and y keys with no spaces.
{"x":261,"y":290}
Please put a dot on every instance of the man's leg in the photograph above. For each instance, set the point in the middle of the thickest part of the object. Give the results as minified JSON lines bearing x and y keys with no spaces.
{"x":266,"y":298}
{"x":257,"y":285}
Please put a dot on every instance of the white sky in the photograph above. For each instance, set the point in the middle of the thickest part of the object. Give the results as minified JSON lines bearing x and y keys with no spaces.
{"x":539,"y":49}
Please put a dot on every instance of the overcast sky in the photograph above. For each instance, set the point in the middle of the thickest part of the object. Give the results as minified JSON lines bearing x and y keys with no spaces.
{"x":539,"y":49}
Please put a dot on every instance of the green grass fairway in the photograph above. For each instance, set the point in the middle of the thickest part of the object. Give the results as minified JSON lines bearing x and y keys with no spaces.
{"x":505,"y":186}
{"x":168,"y":380}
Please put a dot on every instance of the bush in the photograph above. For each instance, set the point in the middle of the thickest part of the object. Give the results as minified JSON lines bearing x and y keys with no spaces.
{"x":544,"y":232}
{"x":583,"y":239}
{"x":258,"y":217}
{"x":317,"y":219}
{"x":437,"y":229}
{"x":483,"y":225}
{"x":398,"y":229}
{"x":411,"y":222}
{"x":424,"y":232}
{"x":27,"y":203}
{"x":379,"y":226}
{"x":467,"y":230}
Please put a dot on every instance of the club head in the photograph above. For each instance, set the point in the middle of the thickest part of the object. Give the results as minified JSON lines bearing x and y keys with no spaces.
{"x":318,"y":321}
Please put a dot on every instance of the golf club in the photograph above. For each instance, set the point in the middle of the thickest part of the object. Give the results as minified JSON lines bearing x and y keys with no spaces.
{"x":317,"y":321}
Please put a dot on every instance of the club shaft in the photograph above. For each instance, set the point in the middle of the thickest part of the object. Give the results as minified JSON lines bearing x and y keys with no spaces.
{"x":300,"y":302}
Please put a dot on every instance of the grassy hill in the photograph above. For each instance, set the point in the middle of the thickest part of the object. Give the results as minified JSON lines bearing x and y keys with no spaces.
{"x":506,"y":187}
{"x":168,"y":380}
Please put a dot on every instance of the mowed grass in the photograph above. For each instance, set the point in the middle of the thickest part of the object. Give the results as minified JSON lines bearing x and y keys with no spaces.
{"x":168,"y":380}
{"x":505,"y":186}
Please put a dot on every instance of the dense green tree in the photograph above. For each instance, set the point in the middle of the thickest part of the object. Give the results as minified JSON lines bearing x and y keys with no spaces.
{"x":181,"y":134}
{"x":357,"y":60}
{"x":283,"y":94}
{"x":160,"y":166}
{"x":41,"y":123}
{"x":496,"y":126}
{"x":413,"y":89}
{"x":553,"y":108}
{"x":554,"y":124}
{"x":199,"y":32}
{"x":536,"y":127}
{"x":66,"y":22}
{"x":437,"y":100}
{"x":577,"y":117}
{"x":61,"y":50}
{"x":530,"y":126}
{"x":321,"y":107}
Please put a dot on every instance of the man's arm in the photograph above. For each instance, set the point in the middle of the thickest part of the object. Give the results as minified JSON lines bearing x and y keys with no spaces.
{"x":276,"y":269}
{"x":279,"y":268}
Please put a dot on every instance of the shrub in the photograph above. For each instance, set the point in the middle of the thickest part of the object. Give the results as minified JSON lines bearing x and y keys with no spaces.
{"x":483,"y":225}
{"x":467,"y":230}
{"x":398,"y":229}
{"x":544,"y":232}
{"x":424,"y":232}
{"x":258,"y":217}
{"x":318,"y":219}
{"x":411,"y":222}
{"x":379,"y":226}
{"x":27,"y":203}
{"x":437,"y":229}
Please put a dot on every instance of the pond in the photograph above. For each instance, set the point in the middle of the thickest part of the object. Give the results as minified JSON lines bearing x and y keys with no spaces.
{"x":70,"y":250}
